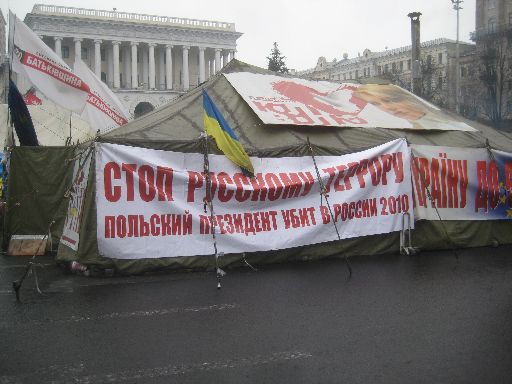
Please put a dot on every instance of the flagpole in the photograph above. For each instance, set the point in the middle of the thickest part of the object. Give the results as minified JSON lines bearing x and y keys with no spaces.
{"x":208,"y":203}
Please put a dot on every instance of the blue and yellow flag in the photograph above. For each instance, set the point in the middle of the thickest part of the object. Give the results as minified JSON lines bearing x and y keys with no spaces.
{"x":227,"y":141}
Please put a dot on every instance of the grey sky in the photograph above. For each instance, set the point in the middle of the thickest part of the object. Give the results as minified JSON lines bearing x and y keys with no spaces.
{"x":303,"y":29}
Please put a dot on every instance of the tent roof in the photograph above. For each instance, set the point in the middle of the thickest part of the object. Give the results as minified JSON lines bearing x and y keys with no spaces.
{"x":182,"y":122}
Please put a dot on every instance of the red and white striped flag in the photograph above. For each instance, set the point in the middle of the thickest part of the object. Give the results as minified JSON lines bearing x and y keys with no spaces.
{"x":33,"y":59}
{"x":103,"y":110}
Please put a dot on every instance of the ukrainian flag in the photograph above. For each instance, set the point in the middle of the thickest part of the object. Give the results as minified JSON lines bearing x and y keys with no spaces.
{"x":227,"y":141}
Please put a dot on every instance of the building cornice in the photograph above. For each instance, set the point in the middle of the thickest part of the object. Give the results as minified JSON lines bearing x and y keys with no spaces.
{"x":130,"y":18}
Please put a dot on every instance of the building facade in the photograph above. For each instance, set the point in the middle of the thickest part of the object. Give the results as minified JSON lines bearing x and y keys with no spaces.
{"x":146,"y":60}
{"x":4,"y":65}
{"x":492,"y":63}
{"x":438,"y":63}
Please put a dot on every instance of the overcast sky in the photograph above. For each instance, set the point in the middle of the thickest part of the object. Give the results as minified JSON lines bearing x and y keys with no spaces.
{"x":304,"y":30}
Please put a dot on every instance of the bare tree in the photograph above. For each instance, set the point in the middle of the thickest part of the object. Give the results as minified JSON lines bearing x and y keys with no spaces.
{"x":494,"y":73}
{"x":432,"y":83}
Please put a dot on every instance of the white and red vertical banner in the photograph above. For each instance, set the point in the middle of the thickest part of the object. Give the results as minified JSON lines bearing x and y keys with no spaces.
{"x":103,"y":110}
{"x":463,"y":183}
{"x":71,"y":232}
{"x":150,"y":203}
{"x":33,"y":59}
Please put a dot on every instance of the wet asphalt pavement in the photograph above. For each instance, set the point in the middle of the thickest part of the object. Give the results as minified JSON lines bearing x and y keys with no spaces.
{"x":428,"y":318}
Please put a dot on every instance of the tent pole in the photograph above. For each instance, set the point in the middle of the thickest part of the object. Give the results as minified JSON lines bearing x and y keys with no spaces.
{"x":323,"y":193}
{"x":208,"y":205}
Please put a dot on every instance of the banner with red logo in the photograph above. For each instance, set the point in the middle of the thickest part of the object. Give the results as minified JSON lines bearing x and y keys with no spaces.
{"x":150,"y":203}
{"x":103,"y":110}
{"x":283,"y":100}
{"x":33,"y":59}
{"x":461,"y":183}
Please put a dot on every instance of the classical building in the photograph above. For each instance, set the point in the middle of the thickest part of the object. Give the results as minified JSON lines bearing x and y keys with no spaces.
{"x":438,"y":58}
{"x":146,"y":60}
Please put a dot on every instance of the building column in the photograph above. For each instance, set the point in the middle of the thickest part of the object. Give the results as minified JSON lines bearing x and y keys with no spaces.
{"x":152,"y":72}
{"x":115,"y":49}
{"x":135,"y":83}
{"x":201,"y":65}
{"x":145,"y":66}
{"x":217,"y":59}
{"x":161,"y":69}
{"x":212,"y":67}
{"x":232,"y":53}
{"x":97,"y":58}
{"x":168,"y":66}
{"x":225,"y":58}
{"x":110,"y":65}
{"x":58,"y":46}
{"x":78,"y":48}
{"x":126,"y":65}
{"x":186,"y":80}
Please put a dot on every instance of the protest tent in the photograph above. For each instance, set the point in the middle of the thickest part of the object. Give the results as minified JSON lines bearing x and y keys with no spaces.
{"x":40,"y":177}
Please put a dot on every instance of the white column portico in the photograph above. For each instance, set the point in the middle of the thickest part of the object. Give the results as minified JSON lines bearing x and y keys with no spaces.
{"x":217,"y":59}
{"x":201,"y":65}
{"x":135,"y":83}
{"x":232,"y":52}
{"x":115,"y":58}
{"x":58,"y":46}
{"x":186,"y":80}
{"x":78,"y":48}
{"x":152,"y":72}
{"x":97,"y":58}
{"x":168,"y":66}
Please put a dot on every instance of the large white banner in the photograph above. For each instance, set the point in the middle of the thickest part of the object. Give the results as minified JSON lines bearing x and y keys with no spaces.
{"x":283,"y":100}
{"x":463,"y":183}
{"x":33,"y":59}
{"x":150,"y":203}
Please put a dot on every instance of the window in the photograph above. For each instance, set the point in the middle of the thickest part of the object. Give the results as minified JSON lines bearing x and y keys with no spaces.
{"x":344,"y":76}
{"x":83,"y":53}
{"x":463,"y":71}
{"x":491,"y":25}
{"x":393,"y":67}
{"x":65,"y":52}
{"x":510,"y":18}
{"x":364,"y":72}
{"x":350,"y":75}
{"x":409,"y":64}
{"x":491,"y":4}
{"x":440,"y":82}
{"x":440,"y":58}
{"x":386,"y":68}
{"x":357,"y":74}
{"x":379,"y":70}
{"x":401,"y":66}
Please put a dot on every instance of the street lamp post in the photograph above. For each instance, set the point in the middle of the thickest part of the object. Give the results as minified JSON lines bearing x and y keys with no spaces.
{"x":457,"y":7}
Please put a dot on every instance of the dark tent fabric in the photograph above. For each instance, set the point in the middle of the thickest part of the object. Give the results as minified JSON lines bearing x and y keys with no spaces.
{"x":177,"y":127}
